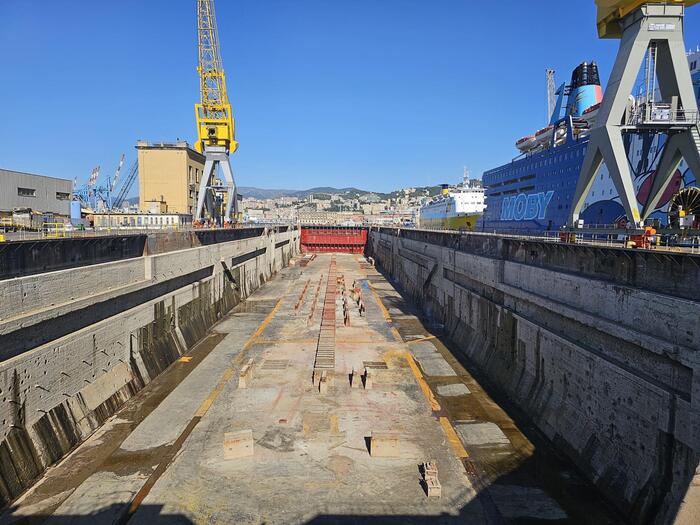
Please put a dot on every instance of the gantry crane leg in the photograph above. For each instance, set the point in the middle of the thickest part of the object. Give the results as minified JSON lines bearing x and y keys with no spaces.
{"x":216,"y":156}
{"x":660,"y":25}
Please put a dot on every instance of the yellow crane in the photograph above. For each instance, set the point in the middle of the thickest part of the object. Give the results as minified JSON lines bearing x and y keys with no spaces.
{"x":215,"y":123}
{"x":611,"y":12}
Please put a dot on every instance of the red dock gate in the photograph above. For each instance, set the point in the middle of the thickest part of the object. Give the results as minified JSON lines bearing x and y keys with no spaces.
{"x":333,"y":239}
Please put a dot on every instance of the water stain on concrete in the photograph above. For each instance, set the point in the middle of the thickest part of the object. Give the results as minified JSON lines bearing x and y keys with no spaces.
{"x":278,"y":440}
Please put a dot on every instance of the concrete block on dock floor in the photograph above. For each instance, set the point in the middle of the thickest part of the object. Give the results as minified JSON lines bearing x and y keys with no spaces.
{"x":384,"y":445}
{"x":423,"y":349}
{"x":355,"y":379}
{"x":323,"y":383}
{"x":435,"y":366}
{"x":245,"y":376}
{"x":238,"y":444}
{"x":458,"y":389}
{"x":432,"y":487}
{"x":430,"y":469}
{"x":481,"y":434}
{"x":369,"y":379}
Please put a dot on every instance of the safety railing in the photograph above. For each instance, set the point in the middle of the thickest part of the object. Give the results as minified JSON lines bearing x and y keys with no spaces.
{"x":662,"y":115}
{"x":611,"y":239}
{"x":54,"y":230}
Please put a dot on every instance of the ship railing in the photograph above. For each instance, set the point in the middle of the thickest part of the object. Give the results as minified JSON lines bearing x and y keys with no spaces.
{"x":661,"y":115}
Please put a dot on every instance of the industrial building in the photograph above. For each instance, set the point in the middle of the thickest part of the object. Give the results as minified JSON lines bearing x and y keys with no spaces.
{"x":141,"y":220}
{"x":169,"y":173}
{"x":41,"y":194}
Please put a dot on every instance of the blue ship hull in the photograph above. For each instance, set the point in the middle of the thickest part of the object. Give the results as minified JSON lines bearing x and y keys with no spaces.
{"x":533,"y":193}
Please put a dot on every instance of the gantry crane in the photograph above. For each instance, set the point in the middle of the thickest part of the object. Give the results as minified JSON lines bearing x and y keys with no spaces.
{"x":215,"y":124}
{"x":612,"y":12}
{"x":651,"y":29}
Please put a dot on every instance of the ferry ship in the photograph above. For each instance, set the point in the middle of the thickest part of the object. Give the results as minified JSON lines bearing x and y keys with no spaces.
{"x":534,"y":192}
{"x":456,"y":208}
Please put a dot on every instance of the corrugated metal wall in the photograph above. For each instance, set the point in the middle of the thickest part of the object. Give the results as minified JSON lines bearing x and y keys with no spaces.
{"x":44,"y":199}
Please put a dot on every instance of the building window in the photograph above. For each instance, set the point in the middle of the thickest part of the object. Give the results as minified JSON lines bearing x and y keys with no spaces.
{"x":62,"y":196}
{"x":26,"y":192}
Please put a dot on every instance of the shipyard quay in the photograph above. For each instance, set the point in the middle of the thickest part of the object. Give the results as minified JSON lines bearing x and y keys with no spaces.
{"x":377,"y":276}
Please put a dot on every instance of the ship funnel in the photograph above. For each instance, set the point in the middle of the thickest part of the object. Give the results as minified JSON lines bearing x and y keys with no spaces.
{"x":585,"y":89}
{"x":445,"y":188}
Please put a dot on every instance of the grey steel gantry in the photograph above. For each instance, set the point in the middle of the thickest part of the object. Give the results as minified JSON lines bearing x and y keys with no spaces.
{"x":216,"y":156}
{"x":656,"y":30}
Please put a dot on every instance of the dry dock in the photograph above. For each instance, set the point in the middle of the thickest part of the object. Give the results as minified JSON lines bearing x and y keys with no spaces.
{"x":223,"y":377}
{"x":238,"y":430}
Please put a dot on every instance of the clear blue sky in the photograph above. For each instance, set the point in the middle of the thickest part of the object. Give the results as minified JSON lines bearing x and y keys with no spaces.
{"x":376,"y":94}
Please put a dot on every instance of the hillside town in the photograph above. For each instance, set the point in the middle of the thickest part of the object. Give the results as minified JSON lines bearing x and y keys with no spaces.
{"x":346,"y":207}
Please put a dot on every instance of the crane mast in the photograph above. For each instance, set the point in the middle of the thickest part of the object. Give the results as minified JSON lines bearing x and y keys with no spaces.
{"x":215,"y":123}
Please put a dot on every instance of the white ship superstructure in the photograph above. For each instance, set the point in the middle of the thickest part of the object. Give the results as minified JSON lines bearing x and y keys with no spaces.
{"x":456,"y":208}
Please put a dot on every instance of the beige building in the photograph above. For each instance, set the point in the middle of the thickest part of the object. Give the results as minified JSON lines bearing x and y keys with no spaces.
{"x":169,"y":173}
{"x":141,"y":220}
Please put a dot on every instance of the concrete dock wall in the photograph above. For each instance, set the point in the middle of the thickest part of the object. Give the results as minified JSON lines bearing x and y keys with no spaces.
{"x":28,"y":257}
{"x":75,"y":344}
{"x":599,"y":348}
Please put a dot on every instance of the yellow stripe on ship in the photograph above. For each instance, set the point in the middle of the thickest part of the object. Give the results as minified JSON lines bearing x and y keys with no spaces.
{"x":458,"y":222}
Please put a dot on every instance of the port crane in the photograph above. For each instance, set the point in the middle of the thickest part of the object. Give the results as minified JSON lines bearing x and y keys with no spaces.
{"x":215,"y":123}
{"x":86,"y":192}
{"x":92,"y":195}
{"x":651,"y":30}
{"x":128,"y":183}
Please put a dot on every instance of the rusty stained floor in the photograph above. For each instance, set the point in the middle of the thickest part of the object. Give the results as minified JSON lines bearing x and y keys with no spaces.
{"x":161,"y":458}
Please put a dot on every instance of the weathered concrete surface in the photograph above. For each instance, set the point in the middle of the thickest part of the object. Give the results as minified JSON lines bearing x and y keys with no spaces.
{"x":599,"y":347}
{"x":29,"y":257}
{"x":77,"y":343}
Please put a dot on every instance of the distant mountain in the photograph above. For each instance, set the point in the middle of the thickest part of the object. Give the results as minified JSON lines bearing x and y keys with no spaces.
{"x":260,"y":193}
{"x":350,"y":193}
{"x":327,"y":189}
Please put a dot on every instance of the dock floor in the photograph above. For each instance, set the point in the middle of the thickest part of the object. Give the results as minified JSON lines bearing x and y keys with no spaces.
{"x":179,"y":452}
